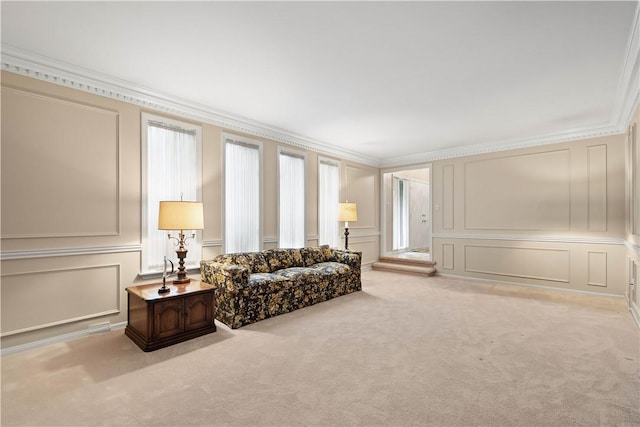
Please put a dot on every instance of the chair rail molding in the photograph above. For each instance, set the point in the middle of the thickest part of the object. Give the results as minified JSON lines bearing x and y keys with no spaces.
{"x":530,"y":238}
{"x":57,"y":252}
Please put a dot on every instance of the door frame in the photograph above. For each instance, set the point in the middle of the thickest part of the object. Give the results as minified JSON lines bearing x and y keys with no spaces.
{"x":386,"y":206}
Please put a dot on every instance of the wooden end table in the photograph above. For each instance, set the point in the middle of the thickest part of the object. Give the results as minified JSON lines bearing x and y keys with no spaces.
{"x":156,"y":320}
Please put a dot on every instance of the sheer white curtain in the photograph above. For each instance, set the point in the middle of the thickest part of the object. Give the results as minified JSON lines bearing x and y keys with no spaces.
{"x":292,"y":200}
{"x":242,"y":197}
{"x":400,"y":214}
{"x":173,"y":171}
{"x":328,"y":197}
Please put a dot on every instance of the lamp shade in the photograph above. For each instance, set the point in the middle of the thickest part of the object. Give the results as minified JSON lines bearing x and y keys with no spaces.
{"x":180,"y":216}
{"x":347,"y":212}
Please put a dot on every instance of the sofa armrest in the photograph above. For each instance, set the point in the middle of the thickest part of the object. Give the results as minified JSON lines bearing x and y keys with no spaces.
{"x":351,"y":258}
{"x":229,"y":277}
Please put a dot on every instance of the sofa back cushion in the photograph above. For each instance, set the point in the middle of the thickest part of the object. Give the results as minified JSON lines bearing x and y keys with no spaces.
{"x":252,"y":261}
{"x":312,"y":256}
{"x":329,"y":255}
{"x":277,"y":259}
{"x":258,"y":262}
{"x":237,"y":259}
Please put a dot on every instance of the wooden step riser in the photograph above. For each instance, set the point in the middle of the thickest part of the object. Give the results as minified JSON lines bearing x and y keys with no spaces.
{"x":399,"y":268}
{"x":408,"y":261}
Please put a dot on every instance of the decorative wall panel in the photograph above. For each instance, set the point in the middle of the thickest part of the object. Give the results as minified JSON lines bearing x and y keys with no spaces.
{"x":368,"y":247}
{"x":60,"y":165}
{"x":531,"y":263}
{"x":362,"y":190}
{"x":40,"y":299}
{"x":447,"y":256}
{"x":597,"y":182}
{"x":447,"y":197}
{"x":597,"y":268}
{"x":522,"y":192}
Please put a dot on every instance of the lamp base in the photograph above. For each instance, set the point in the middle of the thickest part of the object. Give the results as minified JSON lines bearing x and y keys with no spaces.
{"x":346,"y":238}
{"x":182,"y":272}
{"x":164,"y":289}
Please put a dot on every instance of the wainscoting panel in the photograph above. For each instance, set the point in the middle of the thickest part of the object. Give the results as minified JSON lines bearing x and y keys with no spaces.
{"x":447,"y":197}
{"x":536,"y":195}
{"x":592,"y":267}
{"x":41,"y":299}
{"x":74,"y":187}
{"x":368,"y":246}
{"x":212,"y":251}
{"x":597,"y":268}
{"x":597,"y":171}
{"x":531,"y":263}
{"x":362,"y":190}
{"x":447,"y":256}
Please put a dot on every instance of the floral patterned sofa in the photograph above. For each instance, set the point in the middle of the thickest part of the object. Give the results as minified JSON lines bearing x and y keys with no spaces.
{"x":257,"y":285}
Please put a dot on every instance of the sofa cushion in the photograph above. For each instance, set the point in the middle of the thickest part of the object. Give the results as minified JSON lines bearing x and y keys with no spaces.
{"x":258,"y":263}
{"x":331,"y":268}
{"x":237,"y":259}
{"x":299,"y":274}
{"x":277,"y":259}
{"x":328,"y":253}
{"x":264,"y":283}
{"x":311,"y":256}
{"x":252,"y":261}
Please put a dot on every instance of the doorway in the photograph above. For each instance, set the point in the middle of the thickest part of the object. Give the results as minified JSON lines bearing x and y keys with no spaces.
{"x":407,"y":213}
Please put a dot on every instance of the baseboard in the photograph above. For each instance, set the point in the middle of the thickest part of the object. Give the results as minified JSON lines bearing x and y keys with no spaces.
{"x":92,"y":330}
{"x":635,"y":313}
{"x":633,"y":308}
{"x":366,"y":267}
{"x":527,"y":285}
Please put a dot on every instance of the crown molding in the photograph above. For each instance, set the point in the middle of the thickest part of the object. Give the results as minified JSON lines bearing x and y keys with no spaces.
{"x":18,"y":61}
{"x":472,"y":150}
{"x":626,"y":102}
{"x":619,"y":126}
{"x":40,"y":67}
{"x":628,"y":96}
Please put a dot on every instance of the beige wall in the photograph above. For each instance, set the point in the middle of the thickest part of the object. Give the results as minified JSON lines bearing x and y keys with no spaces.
{"x":548,"y":216}
{"x":633,"y":214}
{"x":556,"y":215}
{"x":71,"y":206}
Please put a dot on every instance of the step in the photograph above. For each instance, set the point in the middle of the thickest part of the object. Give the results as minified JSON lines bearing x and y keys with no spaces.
{"x":403,"y":268}
{"x":408,"y":261}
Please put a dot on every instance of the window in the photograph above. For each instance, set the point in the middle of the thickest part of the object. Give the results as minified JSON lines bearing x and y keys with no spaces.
{"x":634,"y":193}
{"x":171,"y":171}
{"x":400,"y":213}
{"x":292,"y":199}
{"x":328,"y":197}
{"x":242,"y":199}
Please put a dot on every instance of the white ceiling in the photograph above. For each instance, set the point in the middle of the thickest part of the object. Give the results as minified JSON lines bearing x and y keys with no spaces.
{"x":384,"y":80}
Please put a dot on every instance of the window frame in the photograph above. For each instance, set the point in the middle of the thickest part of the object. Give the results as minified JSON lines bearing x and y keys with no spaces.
{"x":145,"y":121}
{"x":338,"y":164}
{"x":283,"y":150}
{"x":242,"y":141}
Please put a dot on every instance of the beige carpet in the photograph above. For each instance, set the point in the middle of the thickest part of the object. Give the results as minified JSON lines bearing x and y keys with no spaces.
{"x":407,"y":351}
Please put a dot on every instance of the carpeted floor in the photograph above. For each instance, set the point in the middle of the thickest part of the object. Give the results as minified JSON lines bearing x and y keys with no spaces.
{"x":406,"y":351}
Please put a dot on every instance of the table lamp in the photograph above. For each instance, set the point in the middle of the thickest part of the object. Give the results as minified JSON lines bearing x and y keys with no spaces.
{"x":180,"y":216}
{"x":347,"y":212}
